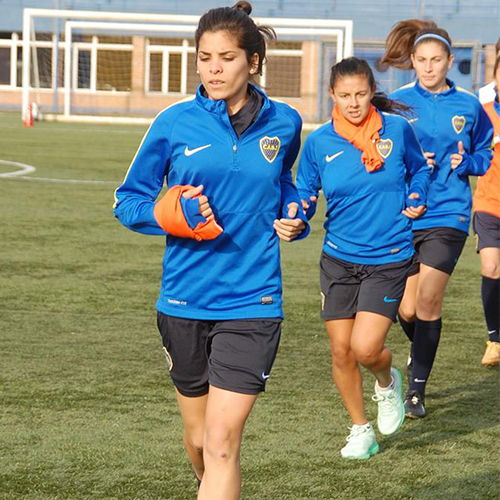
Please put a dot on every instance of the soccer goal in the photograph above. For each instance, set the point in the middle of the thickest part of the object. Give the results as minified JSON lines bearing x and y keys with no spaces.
{"x":105,"y":66}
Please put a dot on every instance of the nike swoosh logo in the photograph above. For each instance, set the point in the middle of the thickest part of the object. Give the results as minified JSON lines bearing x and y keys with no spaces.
{"x":189,"y":152}
{"x":330,"y":158}
{"x":387,"y":299}
{"x":419,"y":380}
{"x":264,"y":376}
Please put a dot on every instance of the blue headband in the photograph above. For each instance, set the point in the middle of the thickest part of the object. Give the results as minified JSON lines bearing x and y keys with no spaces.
{"x":433,"y":35}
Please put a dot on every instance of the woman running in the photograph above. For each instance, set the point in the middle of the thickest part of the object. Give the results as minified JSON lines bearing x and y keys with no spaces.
{"x":456,"y":134}
{"x":486,"y":224}
{"x":363,"y":160}
{"x":226,"y":155}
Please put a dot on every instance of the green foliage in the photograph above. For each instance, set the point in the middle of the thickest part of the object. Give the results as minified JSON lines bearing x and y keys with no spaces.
{"x":87,"y":409}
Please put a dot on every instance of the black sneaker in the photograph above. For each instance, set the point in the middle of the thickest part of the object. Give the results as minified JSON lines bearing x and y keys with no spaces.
{"x":414,"y":405}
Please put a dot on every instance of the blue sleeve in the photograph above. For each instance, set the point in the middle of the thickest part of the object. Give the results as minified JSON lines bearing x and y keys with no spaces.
{"x":289,"y":193}
{"x":134,"y":199}
{"x":308,"y":178}
{"x":478,"y":160}
{"x":419,"y":173}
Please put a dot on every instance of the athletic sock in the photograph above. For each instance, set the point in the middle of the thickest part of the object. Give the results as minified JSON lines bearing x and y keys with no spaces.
{"x":389,"y":388}
{"x":490,"y":293}
{"x":408,"y":327}
{"x":425,"y":344}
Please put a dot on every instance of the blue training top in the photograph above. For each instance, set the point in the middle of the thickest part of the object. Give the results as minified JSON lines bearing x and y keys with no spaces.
{"x":442,"y":119}
{"x":364,"y":221}
{"x":248,"y":183}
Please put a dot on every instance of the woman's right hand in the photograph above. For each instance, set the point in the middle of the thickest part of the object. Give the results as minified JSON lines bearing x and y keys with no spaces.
{"x":204,"y":205}
{"x":414,"y":212}
{"x":307,"y":203}
{"x":430,"y":158}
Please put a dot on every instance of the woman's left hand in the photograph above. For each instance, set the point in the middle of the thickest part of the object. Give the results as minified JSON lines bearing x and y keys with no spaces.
{"x":414,"y":212}
{"x":456,"y":158}
{"x":288,"y":229}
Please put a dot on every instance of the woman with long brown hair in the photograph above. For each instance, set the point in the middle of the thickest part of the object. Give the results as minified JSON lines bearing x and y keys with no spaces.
{"x":226,"y":155}
{"x":456,"y":134}
{"x":362,"y":160}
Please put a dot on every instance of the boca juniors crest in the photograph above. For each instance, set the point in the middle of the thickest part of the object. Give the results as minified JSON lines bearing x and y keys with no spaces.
{"x":269,"y":147}
{"x":384,"y":147}
{"x":458,"y":123}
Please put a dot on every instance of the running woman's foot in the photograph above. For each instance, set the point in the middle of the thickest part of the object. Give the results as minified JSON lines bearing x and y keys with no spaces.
{"x":492,"y":354}
{"x":414,"y":405}
{"x":361,"y":443}
{"x":391,"y":411}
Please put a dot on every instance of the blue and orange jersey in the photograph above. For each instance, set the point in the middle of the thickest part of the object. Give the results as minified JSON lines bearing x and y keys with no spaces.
{"x":441,"y":121}
{"x":364,"y":219}
{"x":487,"y":194}
{"x":249,"y":184}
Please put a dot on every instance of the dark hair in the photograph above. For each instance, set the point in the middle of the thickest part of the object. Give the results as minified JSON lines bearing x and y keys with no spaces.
{"x":495,"y":68}
{"x":400,"y":42}
{"x":353,"y":66}
{"x":236,"y":21}
{"x":497,"y":46}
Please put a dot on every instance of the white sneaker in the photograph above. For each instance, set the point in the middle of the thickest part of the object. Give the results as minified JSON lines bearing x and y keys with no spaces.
{"x":361,"y":443}
{"x":391,"y":409}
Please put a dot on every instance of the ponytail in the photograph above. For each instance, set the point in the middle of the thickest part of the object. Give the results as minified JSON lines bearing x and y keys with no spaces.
{"x":237,"y":22}
{"x":405,"y":36}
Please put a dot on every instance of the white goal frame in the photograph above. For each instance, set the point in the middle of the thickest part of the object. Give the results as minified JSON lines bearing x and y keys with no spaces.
{"x":339,"y":30}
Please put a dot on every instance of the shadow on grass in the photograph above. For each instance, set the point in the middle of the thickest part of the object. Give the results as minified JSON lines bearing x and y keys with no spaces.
{"x":455,"y":412}
{"x":481,"y":486}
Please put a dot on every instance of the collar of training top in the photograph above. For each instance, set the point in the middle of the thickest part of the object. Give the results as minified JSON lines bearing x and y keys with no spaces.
{"x":426,"y":93}
{"x":248,"y":113}
{"x":219,"y":107}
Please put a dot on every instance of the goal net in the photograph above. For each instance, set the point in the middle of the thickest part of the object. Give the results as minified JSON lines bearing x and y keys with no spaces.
{"x":103,"y":66}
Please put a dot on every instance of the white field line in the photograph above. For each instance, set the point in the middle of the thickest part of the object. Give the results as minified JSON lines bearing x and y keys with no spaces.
{"x":29,"y":169}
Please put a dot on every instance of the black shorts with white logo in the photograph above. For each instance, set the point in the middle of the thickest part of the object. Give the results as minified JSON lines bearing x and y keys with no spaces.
{"x":487,"y":230}
{"x":438,"y":247}
{"x":236,"y":355}
{"x":348,"y":288}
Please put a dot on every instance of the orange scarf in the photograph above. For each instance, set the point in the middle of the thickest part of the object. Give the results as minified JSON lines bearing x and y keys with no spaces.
{"x":363,"y":136}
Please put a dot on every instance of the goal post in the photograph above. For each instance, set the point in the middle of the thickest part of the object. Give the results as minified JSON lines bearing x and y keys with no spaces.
{"x":156,"y":54}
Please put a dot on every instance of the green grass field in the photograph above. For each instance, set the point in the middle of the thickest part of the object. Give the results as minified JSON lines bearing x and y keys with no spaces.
{"x":87,"y":409}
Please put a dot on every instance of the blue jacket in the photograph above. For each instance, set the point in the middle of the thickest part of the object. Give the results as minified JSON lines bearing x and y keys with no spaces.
{"x":441,"y":121}
{"x":364,"y":221}
{"x":248,"y":183}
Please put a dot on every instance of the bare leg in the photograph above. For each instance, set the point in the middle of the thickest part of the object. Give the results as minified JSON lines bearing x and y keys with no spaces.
{"x":193,"y":419}
{"x":345,"y":368}
{"x":490,"y":263}
{"x":225,"y":419}
{"x":367,"y":343}
{"x":431,"y":287}
{"x":408,"y":306}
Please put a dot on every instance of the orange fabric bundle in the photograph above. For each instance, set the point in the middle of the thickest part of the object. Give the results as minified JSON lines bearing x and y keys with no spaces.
{"x":170,"y":217}
{"x":363,"y":136}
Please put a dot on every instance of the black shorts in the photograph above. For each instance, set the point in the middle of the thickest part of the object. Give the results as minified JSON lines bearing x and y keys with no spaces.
{"x":487,"y":230}
{"x":348,"y":288}
{"x":236,"y":355}
{"x":438,"y":247}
